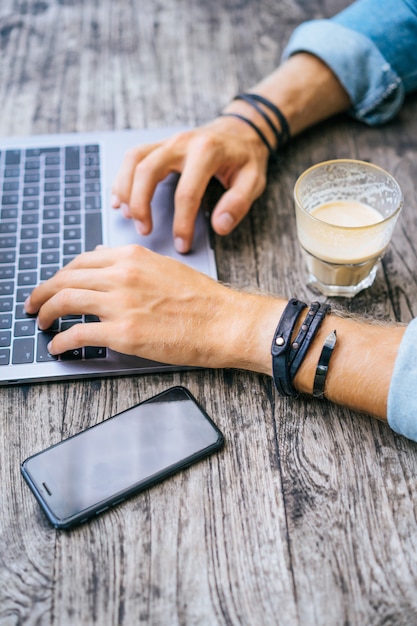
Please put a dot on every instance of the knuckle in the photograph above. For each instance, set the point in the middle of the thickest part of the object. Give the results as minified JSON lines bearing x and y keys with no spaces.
{"x":186,"y":196}
{"x":77,"y":333}
{"x":65,"y":297}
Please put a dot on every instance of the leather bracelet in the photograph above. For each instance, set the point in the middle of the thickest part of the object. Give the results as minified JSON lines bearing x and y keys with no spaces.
{"x":248,"y":98}
{"x":310,"y":334}
{"x":323,"y":365}
{"x":299,"y":340}
{"x":255,"y":128}
{"x":280,"y":347}
{"x":285,"y":129}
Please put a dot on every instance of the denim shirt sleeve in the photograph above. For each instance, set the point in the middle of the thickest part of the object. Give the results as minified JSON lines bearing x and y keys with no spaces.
{"x":402,"y":396}
{"x":372,"y":48}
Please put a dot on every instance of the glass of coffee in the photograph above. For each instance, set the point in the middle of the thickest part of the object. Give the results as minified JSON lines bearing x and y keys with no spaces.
{"x":346,"y":211}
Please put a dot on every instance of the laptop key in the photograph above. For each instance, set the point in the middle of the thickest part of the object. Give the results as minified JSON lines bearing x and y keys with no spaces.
{"x":24,"y":328}
{"x":27,"y":278}
{"x":6,"y":304}
{"x":72,"y":249}
{"x":12,"y":157}
{"x":10,"y":198}
{"x":30,"y":218}
{"x":4,"y":356}
{"x":7,"y":272}
{"x":31,"y":177}
{"x":6,"y":288}
{"x":22,"y":293}
{"x":29,"y":247}
{"x":8,"y":242}
{"x":52,"y":173}
{"x":5,"y":338}
{"x":72,"y":158}
{"x":30,"y":205}
{"x":72,"y":355}
{"x":11,"y":172}
{"x":28,"y":263}
{"x":20,"y":313}
{"x":8,"y":228}
{"x":72,"y":219}
{"x":94,"y":352}
{"x":72,"y":233}
{"x":5,"y":321}
{"x":47,"y":258}
{"x":48,"y":243}
{"x":29,"y":233}
{"x":7,"y":256}
{"x":9,"y":214}
{"x":23,"y":350}
{"x":93,"y":230}
{"x":42,"y":354}
{"x":49,"y":271}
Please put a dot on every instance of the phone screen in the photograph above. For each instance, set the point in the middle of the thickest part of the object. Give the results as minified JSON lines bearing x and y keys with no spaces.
{"x":97,"y":468}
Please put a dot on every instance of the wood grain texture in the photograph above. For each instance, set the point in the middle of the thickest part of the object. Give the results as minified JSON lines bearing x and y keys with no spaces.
{"x":308,"y":516}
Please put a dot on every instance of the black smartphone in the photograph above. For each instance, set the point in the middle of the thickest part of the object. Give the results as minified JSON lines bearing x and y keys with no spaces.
{"x":99,"y":467}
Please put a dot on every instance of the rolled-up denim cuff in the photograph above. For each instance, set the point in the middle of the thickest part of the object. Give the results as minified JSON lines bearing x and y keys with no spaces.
{"x":375,"y":89}
{"x":402,"y":397}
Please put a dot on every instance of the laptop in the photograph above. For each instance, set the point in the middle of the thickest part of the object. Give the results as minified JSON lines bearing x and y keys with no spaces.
{"x":55,"y":203}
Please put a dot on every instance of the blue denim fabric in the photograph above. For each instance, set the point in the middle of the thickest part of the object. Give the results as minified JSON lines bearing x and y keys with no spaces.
{"x":402,"y":397}
{"x":372,"y":48}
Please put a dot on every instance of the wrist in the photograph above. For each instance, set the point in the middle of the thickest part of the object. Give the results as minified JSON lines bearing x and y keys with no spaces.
{"x":261,"y":131}
{"x":249,"y":324}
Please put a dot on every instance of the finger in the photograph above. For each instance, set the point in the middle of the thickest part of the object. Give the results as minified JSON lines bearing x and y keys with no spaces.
{"x":148,"y":174}
{"x":122,"y":184}
{"x":95,"y":279}
{"x":79,"y":336}
{"x":200,"y":165}
{"x":71,"y":301}
{"x":235,"y":203}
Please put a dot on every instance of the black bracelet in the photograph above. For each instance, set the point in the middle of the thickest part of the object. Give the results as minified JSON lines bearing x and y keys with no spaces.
{"x":314,"y":325}
{"x":323,"y":365}
{"x":255,"y":128}
{"x":299,"y":340}
{"x":285,"y":129}
{"x":252,"y":101}
{"x":280,"y":347}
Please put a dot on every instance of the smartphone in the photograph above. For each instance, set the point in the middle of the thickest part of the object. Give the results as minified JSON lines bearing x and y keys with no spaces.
{"x":103,"y":465}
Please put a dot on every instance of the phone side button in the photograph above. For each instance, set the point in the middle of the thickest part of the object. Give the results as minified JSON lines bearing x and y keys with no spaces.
{"x":101,"y":510}
{"x":118,"y":501}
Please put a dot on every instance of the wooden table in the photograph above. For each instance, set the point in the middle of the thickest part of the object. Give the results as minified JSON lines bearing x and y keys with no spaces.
{"x":308,"y":516}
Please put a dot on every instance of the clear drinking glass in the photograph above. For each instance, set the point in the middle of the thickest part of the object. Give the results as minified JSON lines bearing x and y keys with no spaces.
{"x":346,"y":211}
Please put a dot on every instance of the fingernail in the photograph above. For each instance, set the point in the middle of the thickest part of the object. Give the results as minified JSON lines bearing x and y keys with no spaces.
{"x":225,"y":222}
{"x":140,"y":227}
{"x":115,"y":201}
{"x":125,"y":210}
{"x":27,"y":303}
{"x":180,"y":245}
{"x":49,"y":347}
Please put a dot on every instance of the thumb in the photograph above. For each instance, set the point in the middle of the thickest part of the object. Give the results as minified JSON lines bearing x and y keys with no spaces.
{"x":236,"y":202}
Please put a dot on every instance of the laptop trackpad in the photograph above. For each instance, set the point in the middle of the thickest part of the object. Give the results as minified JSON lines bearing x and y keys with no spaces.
{"x":122,"y":231}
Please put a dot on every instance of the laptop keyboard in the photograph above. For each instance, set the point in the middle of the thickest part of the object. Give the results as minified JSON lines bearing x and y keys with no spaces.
{"x":50,"y":212}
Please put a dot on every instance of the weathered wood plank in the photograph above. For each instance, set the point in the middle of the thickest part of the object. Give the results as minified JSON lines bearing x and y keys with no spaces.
{"x":308,"y":515}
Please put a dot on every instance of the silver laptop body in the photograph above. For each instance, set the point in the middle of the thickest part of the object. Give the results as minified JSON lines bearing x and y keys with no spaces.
{"x":46,"y":183}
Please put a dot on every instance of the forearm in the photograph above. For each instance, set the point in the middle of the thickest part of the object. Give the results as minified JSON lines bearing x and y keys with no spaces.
{"x":304,"y":89}
{"x":361,"y":366}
